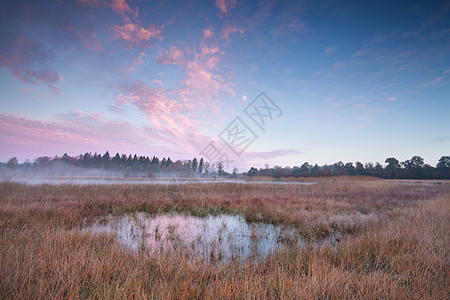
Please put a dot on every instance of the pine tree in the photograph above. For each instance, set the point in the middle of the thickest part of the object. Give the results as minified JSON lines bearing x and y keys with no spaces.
{"x":168,"y":163}
{"x":194,"y":164}
{"x":163,"y":163}
{"x":201,"y":165}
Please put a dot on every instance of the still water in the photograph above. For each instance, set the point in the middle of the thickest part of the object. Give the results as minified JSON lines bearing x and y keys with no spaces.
{"x":220,"y":237}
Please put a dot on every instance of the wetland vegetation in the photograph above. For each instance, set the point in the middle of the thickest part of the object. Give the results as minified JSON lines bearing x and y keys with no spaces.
{"x":390,"y":240}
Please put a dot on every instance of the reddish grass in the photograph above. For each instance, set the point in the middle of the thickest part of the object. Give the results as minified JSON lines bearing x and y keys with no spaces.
{"x":396,"y":242}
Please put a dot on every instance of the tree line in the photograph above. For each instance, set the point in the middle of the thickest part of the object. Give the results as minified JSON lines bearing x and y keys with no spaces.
{"x":129,"y":165}
{"x":413,"y":168}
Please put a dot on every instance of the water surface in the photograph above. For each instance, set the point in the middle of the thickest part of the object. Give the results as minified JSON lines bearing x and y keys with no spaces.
{"x":220,"y":237}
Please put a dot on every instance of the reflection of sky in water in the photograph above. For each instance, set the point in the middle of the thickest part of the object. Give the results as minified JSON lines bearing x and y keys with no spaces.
{"x":212,"y":237}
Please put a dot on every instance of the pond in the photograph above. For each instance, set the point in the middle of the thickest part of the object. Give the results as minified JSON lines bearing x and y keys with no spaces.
{"x":214,"y":238}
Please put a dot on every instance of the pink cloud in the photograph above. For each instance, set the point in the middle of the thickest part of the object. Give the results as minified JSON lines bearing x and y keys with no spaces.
{"x":27,"y":60}
{"x":136,"y":63}
{"x":202,"y":80}
{"x":207,"y":33}
{"x":436,"y":82}
{"x":54,"y":90}
{"x":31,"y":76}
{"x":138,"y":60}
{"x":23,"y":91}
{"x":225,"y":5}
{"x":26,"y":138}
{"x":155,"y":102}
{"x":137,"y":34}
{"x":166,"y":111}
{"x":122,"y":8}
{"x":79,"y":132}
{"x":172,"y":57}
{"x":202,"y":83}
{"x":179,"y":113}
{"x":228,"y":30}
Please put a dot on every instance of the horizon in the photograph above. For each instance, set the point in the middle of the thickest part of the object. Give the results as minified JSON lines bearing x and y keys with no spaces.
{"x":341,"y":81}
{"x":383,"y":163}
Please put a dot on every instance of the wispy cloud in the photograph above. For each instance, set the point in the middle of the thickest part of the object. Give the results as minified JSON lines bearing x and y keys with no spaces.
{"x":360,"y":105}
{"x":42,"y":138}
{"x":329,"y":49}
{"x":54,"y":90}
{"x":41,"y":75}
{"x":228,"y":30}
{"x":136,"y":34}
{"x":122,"y":8}
{"x":77,"y":131}
{"x":174,"y":56}
{"x":208,"y":33}
{"x":441,"y":139}
{"x":244,"y":97}
{"x":138,"y":61}
{"x":23,"y":91}
{"x":225,"y":5}
{"x":177,"y":113}
{"x":437,"y":81}
{"x":27,"y":60}
{"x":392,"y":98}
{"x":202,"y":80}
{"x":171,"y":113}
{"x":201,"y":85}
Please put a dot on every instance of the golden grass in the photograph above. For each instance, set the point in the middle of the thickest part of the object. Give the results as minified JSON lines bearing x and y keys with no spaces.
{"x":396,"y":242}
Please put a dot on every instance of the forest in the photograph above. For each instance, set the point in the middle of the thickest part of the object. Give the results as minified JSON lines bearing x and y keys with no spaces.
{"x":133,"y":165}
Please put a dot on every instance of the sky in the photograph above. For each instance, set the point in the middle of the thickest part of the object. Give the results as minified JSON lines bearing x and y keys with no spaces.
{"x":251,"y":83}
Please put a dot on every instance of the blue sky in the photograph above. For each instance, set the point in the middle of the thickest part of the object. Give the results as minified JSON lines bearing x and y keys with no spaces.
{"x":355,"y":80}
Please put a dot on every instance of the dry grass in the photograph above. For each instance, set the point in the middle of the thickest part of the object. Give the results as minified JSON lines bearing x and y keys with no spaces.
{"x":396,"y":243}
{"x":339,"y":178}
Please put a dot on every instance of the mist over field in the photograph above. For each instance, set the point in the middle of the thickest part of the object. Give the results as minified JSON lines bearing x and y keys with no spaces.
{"x":98,"y":167}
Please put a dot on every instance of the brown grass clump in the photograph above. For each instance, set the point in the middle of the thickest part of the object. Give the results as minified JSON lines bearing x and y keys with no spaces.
{"x":395,"y":243}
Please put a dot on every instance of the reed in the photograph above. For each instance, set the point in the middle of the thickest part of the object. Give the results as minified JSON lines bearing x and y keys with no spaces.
{"x":395,"y":242}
